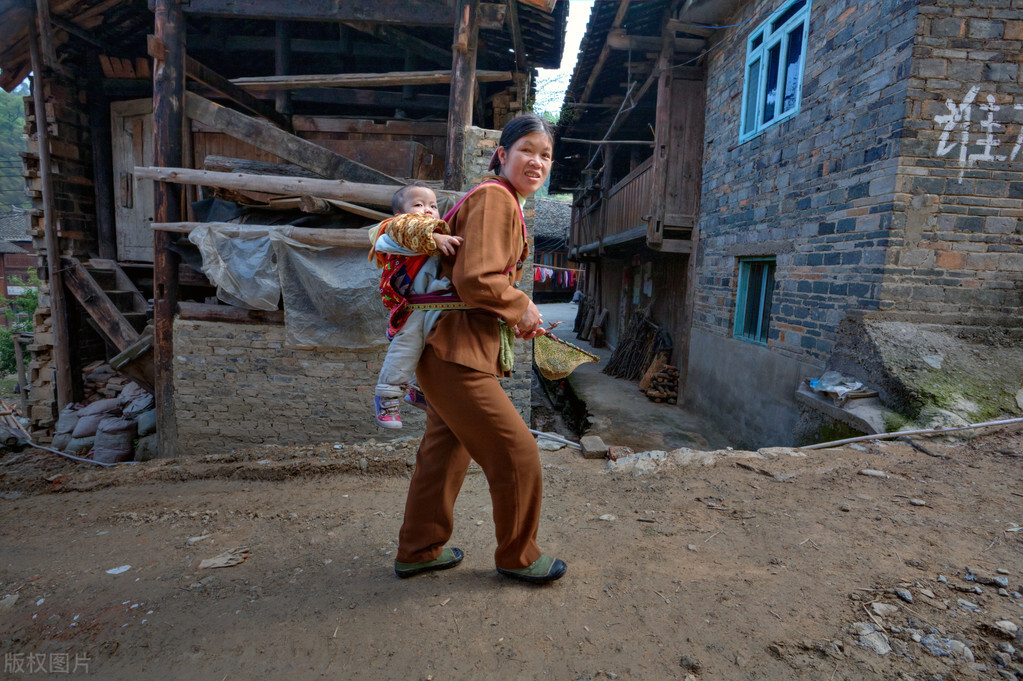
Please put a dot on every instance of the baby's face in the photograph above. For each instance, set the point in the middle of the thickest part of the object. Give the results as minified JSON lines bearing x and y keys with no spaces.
{"x":421,"y":200}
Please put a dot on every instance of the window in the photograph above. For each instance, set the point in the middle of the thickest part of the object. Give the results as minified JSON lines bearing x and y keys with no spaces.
{"x":775,"y":53}
{"x":753,"y":303}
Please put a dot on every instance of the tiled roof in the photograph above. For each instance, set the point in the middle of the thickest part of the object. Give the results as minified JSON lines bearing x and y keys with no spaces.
{"x":14,"y":226}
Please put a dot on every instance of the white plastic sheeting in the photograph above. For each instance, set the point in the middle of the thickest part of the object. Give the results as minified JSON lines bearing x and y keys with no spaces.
{"x":331,"y":294}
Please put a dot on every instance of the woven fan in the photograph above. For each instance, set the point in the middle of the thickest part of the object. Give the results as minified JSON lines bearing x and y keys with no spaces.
{"x":556,"y":358}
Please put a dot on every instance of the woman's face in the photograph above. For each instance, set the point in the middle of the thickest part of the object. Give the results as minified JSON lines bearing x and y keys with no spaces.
{"x":527,"y":162}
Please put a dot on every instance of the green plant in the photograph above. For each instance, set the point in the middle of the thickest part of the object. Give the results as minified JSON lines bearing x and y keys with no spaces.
{"x":19,"y":311}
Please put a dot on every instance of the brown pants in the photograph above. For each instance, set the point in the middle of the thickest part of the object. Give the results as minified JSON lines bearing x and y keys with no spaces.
{"x":470,"y":415}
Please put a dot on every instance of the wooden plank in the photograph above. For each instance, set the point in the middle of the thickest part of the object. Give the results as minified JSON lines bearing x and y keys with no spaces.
{"x":200,"y":312}
{"x":282,"y":63}
{"x":289,"y":147}
{"x":369,"y":98}
{"x":393,"y":12}
{"x":105,"y":315}
{"x":372,"y":194}
{"x":369,"y":127}
{"x":605,"y":51}
{"x":391,"y":79}
{"x":463,"y":88}
{"x":224,"y":87}
{"x":168,"y":150}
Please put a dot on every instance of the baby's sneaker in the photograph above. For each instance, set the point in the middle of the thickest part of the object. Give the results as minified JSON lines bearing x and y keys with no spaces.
{"x":387,"y":412}
{"x":415,"y":397}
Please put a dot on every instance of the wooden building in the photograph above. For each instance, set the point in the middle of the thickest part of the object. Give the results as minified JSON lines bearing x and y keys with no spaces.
{"x":144,"y":105}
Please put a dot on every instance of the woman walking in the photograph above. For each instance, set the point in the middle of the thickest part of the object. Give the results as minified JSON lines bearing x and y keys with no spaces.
{"x":469,"y":415}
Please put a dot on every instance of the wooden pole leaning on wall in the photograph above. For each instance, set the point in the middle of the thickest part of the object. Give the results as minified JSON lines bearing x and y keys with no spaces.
{"x":58,"y":298}
{"x":463,"y":87}
{"x":168,"y":48}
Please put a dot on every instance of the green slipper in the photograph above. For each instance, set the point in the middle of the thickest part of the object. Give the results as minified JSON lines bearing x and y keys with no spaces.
{"x":448,"y":558}
{"x":544,"y":569}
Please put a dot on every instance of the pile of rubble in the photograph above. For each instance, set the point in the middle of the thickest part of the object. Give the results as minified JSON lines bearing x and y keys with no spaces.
{"x":116,"y":423}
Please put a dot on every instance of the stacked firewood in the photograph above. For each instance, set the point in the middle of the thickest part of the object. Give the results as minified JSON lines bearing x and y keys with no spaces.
{"x":664,"y":385}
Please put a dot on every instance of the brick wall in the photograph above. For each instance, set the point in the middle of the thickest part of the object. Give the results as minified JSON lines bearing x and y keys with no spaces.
{"x":818,"y":190}
{"x":238,"y":385}
{"x":961,"y":173}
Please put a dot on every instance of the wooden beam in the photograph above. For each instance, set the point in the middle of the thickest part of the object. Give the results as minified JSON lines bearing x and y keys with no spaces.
{"x":102,"y":159}
{"x":346,"y":238}
{"x":225,"y":88}
{"x":200,"y":312}
{"x":370,"y":98}
{"x":282,"y":63}
{"x":646,"y":143}
{"x":619,"y":39}
{"x":58,"y":302}
{"x":463,"y":88}
{"x":393,"y":79}
{"x":289,"y":147}
{"x":107,"y":318}
{"x":168,"y":150}
{"x":372,"y":194}
{"x":516,"y":34}
{"x":676,"y":26}
{"x":394,"y":12}
{"x":623,"y":8}
{"x":402,"y":39}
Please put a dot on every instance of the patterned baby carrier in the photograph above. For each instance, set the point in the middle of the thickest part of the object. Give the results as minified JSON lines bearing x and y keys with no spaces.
{"x":399,"y":271}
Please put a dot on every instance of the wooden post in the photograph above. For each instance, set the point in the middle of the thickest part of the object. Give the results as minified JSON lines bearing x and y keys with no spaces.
{"x":282,"y":64}
{"x":463,"y":85}
{"x":19,"y":360}
{"x":58,"y":300}
{"x":168,"y":121}
{"x":102,"y":161}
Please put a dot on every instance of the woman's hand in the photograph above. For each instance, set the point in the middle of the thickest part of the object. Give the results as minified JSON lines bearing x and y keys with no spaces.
{"x":530,"y":325}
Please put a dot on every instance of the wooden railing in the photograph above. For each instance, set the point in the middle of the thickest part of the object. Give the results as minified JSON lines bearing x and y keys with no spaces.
{"x":629,"y":201}
{"x":624,"y":208}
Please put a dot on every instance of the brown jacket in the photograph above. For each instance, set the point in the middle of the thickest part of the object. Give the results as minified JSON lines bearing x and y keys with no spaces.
{"x":491,"y":224}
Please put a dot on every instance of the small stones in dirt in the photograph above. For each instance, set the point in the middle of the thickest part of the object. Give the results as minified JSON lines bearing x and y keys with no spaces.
{"x":1005,"y":628}
{"x":871,"y":473}
{"x":690,"y":664}
{"x":967,"y":604}
{"x":845,"y":508}
{"x":609,"y":517}
{"x":946,"y":647}
{"x":884,"y":609}
{"x":904,"y":594}
{"x":982,"y":577}
{"x":872,"y":637}
{"x":917,"y":502}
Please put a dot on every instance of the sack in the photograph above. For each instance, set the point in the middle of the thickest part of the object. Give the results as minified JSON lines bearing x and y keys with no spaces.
{"x":147,"y":422}
{"x":114,"y":441}
{"x":101,"y":407}
{"x":88,"y":425}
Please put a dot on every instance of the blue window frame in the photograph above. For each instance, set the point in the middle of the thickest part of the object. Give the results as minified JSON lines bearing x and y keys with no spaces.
{"x":775,"y":54}
{"x":753,"y":300}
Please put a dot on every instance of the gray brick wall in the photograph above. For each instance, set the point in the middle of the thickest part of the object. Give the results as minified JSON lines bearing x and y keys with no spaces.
{"x":818,"y":190}
{"x":961,"y":234}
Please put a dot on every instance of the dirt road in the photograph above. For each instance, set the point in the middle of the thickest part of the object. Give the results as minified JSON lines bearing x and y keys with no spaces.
{"x":781,"y":567}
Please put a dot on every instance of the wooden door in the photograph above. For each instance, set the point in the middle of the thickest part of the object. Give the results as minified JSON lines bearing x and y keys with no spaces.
{"x":132,"y":132}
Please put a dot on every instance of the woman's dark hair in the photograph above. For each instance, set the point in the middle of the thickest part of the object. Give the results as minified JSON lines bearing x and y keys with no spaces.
{"x":517,"y":128}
